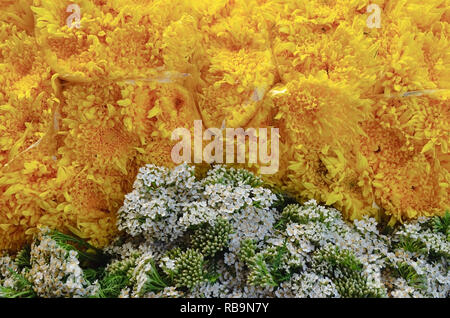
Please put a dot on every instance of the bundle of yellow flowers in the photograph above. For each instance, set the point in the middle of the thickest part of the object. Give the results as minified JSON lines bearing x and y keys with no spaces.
{"x":91,"y":90}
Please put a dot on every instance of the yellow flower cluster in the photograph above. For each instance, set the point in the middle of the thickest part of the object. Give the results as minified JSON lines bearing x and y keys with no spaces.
{"x":363,"y":113}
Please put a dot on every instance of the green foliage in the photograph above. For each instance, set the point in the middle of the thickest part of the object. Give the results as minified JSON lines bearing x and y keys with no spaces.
{"x":22,"y":289}
{"x":212,"y":274}
{"x":155,"y":282}
{"x":336,"y":259}
{"x":291,"y":214}
{"x":277,"y":259}
{"x":91,"y":275}
{"x":117,"y":276}
{"x":6,"y":292}
{"x":407,"y":272}
{"x":23,"y":257}
{"x":88,"y":254}
{"x":442,"y":224}
{"x":265,"y":268}
{"x":411,"y":245}
{"x":111,"y":285}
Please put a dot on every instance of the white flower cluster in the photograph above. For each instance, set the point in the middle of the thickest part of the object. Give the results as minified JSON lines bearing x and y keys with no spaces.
{"x":312,"y":228}
{"x":307,"y":285}
{"x":47,"y":270}
{"x":170,"y":203}
{"x":119,"y":250}
{"x":7,"y":268}
{"x":232,"y":283}
{"x":222,"y":236}
{"x":55,"y":272}
{"x":165,"y":203}
{"x":159,"y":198}
{"x":416,"y":245}
{"x":403,"y":290}
{"x":317,"y":226}
{"x":229,"y":289}
{"x":140,"y":272}
{"x":434,"y":242}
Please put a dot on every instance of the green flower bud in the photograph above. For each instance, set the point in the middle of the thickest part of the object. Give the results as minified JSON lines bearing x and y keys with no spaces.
{"x":211,"y":239}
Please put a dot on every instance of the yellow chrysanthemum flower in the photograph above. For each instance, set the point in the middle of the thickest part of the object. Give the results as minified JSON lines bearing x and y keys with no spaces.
{"x":151,"y":111}
{"x":26,"y":200}
{"x":88,"y":200}
{"x":314,"y":114}
{"x":27,"y":96}
{"x":234,"y":60}
{"x":93,"y":131}
{"x":18,"y":13}
{"x":113,"y":39}
{"x":407,"y":181}
{"x":307,"y":40}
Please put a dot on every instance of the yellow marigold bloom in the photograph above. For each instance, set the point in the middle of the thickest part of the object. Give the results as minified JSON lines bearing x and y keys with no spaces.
{"x":26,"y":200}
{"x":88,"y":201}
{"x":151,"y":111}
{"x":115,"y":39}
{"x":413,"y":47}
{"x":237,"y":83}
{"x":18,"y":13}
{"x":309,"y":37}
{"x":407,"y":182}
{"x":93,"y":129}
{"x":156,"y":109}
{"x":268,"y":117}
{"x":235,"y":62}
{"x":26,"y":94}
{"x":107,"y":131}
{"x":314,"y":114}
